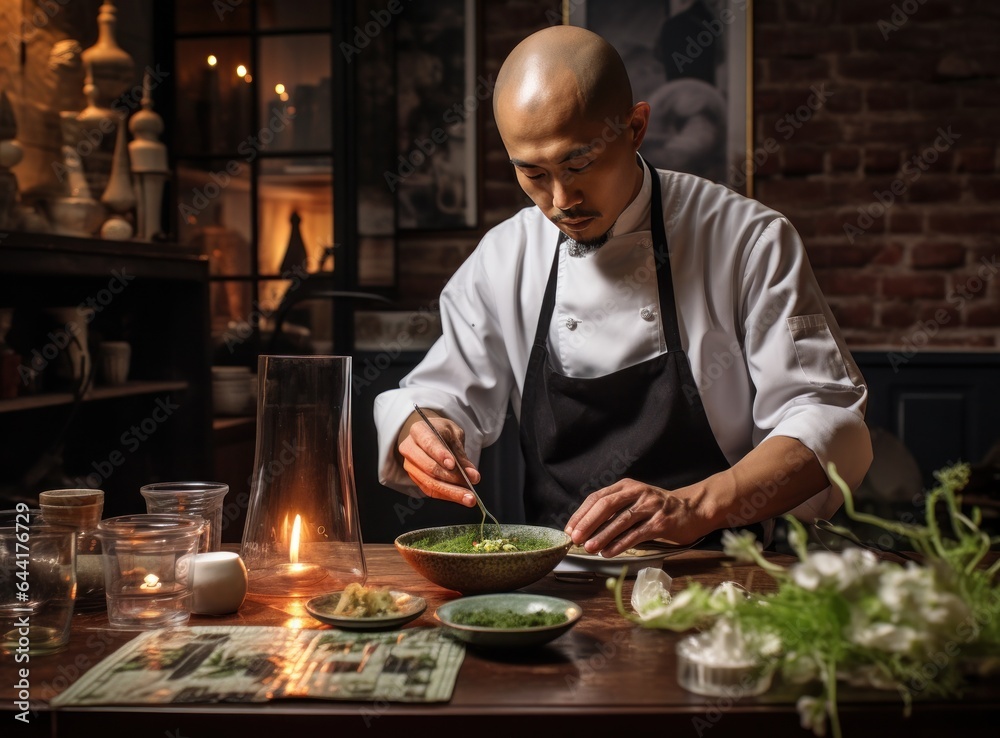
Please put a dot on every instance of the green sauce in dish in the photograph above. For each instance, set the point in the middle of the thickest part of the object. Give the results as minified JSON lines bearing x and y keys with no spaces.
{"x":470,"y":542}
{"x":508,"y":618}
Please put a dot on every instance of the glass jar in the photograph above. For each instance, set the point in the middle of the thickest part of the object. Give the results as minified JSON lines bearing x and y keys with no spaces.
{"x":81,"y":510}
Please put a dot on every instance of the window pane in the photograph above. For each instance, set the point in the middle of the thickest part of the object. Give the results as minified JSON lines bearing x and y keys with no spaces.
{"x":295,"y":201}
{"x":283,"y":14}
{"x":199,"y":16}
{"x":214,"y":101}
{"x":231,"y":309}
{"x":376,"y":262}
{"x":213,"y":202}
{"x":295,"y":93}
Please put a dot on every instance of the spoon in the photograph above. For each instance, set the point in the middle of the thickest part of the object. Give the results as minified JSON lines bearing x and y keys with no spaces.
{"x":465,"y":476}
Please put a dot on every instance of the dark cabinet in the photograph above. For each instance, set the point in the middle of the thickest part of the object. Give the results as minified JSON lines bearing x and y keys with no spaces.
{"x":156,"y":425}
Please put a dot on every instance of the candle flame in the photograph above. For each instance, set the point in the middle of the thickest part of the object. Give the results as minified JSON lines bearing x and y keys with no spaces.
{"x":151,"y":581}
{"x":293,"y":549}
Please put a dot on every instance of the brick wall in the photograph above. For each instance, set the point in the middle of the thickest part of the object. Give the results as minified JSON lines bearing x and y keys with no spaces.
{"x":887,"y":118}
{"x":876,"y":132}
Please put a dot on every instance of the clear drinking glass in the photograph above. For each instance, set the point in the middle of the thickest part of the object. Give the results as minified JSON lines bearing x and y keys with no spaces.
{"x":37,"y":582}
{"x":81,"y":510}
{"x":197,"y":498}
{"x":302,"y":535}
{"x":149,"y":568}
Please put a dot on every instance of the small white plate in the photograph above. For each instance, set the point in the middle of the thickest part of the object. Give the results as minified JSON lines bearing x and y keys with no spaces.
{"x":410,"y":608}
{"x":578,"y":560}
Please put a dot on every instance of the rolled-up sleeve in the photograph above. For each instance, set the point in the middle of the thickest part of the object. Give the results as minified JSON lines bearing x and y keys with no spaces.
{"x":465,"y":376}
{"x":807,"y":385}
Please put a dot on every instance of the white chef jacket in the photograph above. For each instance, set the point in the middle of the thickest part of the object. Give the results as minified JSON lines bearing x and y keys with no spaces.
{"x":765,"y":351}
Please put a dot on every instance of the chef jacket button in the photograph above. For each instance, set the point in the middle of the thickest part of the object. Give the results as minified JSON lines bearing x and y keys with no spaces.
{"x":572,"y":324}
{"x":647,"y":314}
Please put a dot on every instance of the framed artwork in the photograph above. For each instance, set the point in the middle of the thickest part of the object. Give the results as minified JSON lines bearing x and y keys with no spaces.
{"x":691,"y":61}
{"x":434,"y":176}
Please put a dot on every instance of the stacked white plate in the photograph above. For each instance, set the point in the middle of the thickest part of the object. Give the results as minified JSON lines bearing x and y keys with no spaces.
{"x":234,"y":390}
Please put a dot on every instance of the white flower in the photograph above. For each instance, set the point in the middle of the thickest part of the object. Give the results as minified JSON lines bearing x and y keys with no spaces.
{"x":887,"y":637}
{"x":812,"y":714}
{"x":740,"y":545}
{"x":800,"y":668}
{"x":819,"y":570}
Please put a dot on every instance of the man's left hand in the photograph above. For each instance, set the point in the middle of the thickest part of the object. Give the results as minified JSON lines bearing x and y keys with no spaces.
{"x":628,"y":512}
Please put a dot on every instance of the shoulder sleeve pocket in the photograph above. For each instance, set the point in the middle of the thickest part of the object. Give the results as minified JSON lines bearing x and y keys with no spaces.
{"x":817,"y":351}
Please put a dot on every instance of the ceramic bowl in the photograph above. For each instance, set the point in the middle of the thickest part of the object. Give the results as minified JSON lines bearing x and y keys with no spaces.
{"x":476,"y":573}
{"x":518,"y":602}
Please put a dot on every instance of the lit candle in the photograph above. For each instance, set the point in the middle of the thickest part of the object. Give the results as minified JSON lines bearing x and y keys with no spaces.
{"x":150,"y":582}
{"x":293,"y":548}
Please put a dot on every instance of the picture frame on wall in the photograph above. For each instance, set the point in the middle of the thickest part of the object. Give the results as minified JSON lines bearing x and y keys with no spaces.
{"x":691,"y":61}
{"x":435,"y":176}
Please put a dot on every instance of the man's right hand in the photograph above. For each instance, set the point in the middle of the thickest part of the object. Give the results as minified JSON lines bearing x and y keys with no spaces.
{"x":430,"y":465}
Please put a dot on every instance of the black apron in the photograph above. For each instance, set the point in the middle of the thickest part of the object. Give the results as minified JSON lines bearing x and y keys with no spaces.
{"x":645,"y":422}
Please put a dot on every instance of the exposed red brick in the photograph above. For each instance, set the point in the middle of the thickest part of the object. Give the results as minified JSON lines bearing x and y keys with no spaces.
{"x":941,"y":313}
{"x":977,"y":159}
{"x":891,"y":253}
{"x":767,"y":101}
{"x":981,"y":95}
{"x":767,"y":11}
{"x":836,"y":282}
{"x":962,"y":340}
{"x":844,"y":159}
{"x":844,"y":100}
{"x":853,"y":314}
{"x":934,"y":97}
{"x":887,"y":98}
{"x":779,"y":192}
{"x":982,"y":315}
{"x":937,"y":255}
{"x":806,"y":41}
{"x":901,"y":221}
{"x":802,"y":159}
{"x":902,"y":66}
{"x":986,"y":189}
{"x":970,"y":286}
{"x":897,"y":314}
{"x":807,"y":11}
{"x":863,"y":11}
{"x":821,"y":256}
{"x":798,"y":70}
{"x":956,"y":221}
{"x":932,"y":188}
{"x":881,"y":160}
{"x":912,"y":286}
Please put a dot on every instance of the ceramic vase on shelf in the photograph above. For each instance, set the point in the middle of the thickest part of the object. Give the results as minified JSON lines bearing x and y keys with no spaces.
{"x":149,"y":164}
{"x":119,"y":197}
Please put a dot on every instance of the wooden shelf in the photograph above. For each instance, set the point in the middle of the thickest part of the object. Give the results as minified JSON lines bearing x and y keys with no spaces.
{"x":97,"y":393}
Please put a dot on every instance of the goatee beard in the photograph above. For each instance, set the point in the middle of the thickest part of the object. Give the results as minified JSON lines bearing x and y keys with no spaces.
{"x":588,"y":246}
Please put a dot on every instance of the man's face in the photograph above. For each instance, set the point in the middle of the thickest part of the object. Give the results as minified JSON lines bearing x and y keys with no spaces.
{"x":581,"y":174}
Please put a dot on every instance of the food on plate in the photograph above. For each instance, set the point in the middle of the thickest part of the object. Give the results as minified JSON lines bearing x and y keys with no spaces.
{"x":581,"y":551}
{"x":486,"y":618}
{"x":358,"y":601}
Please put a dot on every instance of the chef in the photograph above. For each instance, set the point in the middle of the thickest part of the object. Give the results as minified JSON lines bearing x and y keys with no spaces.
{"x":662,"y":340}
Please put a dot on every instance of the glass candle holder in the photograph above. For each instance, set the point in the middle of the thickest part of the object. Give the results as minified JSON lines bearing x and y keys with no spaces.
{"x":203,"y":499}
{"x":149,"y":568}
{"x":302,"y":535}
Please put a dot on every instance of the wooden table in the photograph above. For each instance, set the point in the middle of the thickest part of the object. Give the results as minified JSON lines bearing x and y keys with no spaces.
{"x":603,"y":675}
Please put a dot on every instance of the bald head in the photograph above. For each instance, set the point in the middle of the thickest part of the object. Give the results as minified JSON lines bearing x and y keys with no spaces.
{"x":563,"y":68}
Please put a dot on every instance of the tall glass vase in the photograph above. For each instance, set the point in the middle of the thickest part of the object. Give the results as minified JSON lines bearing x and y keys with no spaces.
{"x":302,"y":535}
